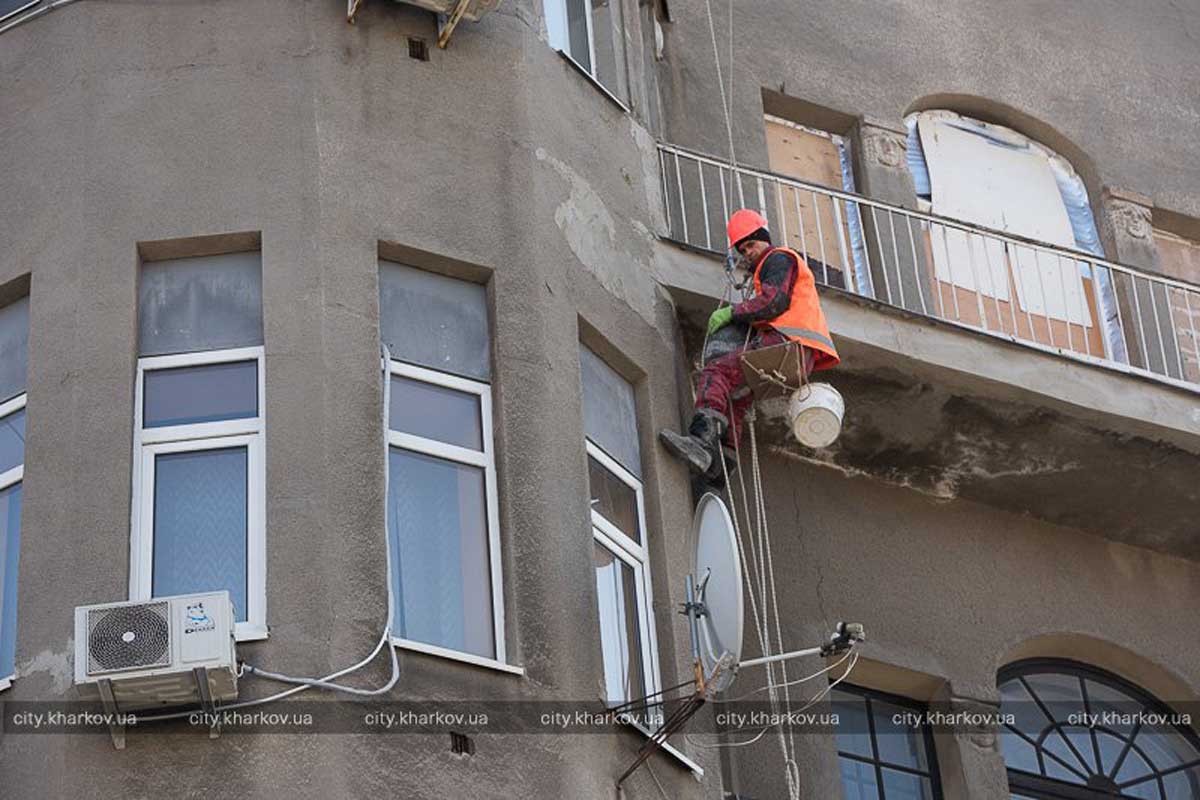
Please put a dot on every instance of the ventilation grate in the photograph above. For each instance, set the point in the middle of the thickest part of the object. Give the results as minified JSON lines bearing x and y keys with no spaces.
{"x":418,"y":49}
{"x":128,"y":637}
{"x":461,"y":744}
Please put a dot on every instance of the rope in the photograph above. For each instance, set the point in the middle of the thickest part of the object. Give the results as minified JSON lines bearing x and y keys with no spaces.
{"x":712,"y":33}
{"x":821,"y":696}
{"x":763,"y":601}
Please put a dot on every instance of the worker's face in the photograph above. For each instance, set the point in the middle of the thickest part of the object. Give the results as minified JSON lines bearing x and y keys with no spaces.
{"x":752,"y":250}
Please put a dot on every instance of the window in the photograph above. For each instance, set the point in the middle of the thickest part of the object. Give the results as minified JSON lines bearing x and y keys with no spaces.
{"x":884,"y":748}
{"x":994,"y":177}
{"x":442,"y":513}
{"x":592,"y":34}
{"x":199,"y":507}
{"x":628,"y":645}
{"x":1081,"y":733}
{"x":14,"y":334}
{"x":821,"y":227}
{"x":1180,"y":258}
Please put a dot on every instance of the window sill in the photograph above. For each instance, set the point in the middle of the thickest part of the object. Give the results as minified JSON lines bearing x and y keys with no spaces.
{"x":455,"y":655}
{"x":5,"y":683}
{"x":248,"y":632}
{"x":595,"y":82}
{"x":667,"y":748}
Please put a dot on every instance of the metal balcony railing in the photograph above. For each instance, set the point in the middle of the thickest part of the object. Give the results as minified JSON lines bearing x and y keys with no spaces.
{"x":1043,"y":296}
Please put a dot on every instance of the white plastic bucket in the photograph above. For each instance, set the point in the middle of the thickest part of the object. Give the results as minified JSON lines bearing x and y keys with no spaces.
{"x":815,"y":413}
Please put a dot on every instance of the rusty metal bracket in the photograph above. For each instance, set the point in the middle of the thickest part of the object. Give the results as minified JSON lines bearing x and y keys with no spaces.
{"x":447,"y":23}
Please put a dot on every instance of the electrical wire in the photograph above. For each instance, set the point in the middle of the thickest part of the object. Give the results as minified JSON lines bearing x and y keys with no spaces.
{"x":327,"y":681}
{"x":796,"y":682}
{"x":821,"y":696}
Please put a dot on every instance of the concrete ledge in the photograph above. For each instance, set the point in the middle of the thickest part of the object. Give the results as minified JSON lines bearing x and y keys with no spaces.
{"x":964,"y":360}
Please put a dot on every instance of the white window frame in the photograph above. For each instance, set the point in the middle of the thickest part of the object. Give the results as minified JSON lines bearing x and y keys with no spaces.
{"x":484,"y":459}
{"x":636,"y":556}
{"x":565,"y":50}
{"x":9,"y":478}
{"x":249,"y":432}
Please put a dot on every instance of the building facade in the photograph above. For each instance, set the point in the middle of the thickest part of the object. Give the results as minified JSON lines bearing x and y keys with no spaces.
{"x":281,"y":295}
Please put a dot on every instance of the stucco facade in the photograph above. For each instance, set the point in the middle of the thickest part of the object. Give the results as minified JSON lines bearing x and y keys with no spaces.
{"x":132,"y":132}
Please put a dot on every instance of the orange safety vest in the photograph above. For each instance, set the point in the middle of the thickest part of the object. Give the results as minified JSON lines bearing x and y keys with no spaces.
{"x":803,"y":321}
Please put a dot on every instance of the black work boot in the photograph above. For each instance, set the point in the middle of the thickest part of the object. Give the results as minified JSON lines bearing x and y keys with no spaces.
{"x":701,"y":444}
{"x":714,"y":476}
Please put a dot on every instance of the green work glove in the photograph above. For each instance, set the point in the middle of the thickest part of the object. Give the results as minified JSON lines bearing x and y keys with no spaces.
{"x":719,"y":319}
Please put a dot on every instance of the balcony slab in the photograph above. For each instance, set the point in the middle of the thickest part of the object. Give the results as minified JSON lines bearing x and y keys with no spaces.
{"x":955,"y":413}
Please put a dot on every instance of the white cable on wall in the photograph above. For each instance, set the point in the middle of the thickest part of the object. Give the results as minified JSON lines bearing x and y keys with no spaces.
{"x":385,"y":640}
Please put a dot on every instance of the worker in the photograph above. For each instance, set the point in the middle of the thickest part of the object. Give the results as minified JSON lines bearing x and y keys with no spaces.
{"x":784,"y":307}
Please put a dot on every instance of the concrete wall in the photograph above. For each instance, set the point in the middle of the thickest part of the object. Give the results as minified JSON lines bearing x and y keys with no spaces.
{"x":950,"y":592}
{"x":129,"y":123}
{"x":1104,"y":83}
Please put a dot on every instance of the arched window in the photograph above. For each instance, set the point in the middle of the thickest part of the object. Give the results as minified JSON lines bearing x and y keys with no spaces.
{"x":1079,"y":733}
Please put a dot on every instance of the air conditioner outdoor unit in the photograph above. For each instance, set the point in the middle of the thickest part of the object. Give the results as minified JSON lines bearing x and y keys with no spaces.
{"x":169,"y":651}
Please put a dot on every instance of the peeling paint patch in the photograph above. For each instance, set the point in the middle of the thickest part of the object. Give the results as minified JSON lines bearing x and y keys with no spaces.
{"x":56,"y":665}
{"x":591,"y":233}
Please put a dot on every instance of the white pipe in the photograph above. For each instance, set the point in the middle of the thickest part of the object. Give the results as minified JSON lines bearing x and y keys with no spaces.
{"x":754,"y":662}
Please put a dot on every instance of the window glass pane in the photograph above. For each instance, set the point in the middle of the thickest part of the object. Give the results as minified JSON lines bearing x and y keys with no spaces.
{"x":434,"y":321}
{"x":614,"y":500}
{"x":898,"y":743}
{"x":10,"y":547}
{"x":1018,"y":753}
{"x":1148,"y":790}
{"x":1133,"y":767}
{"x":1054,"y":743}
{"x":12,"y":440}
{"x":609,"y":40}
{"x":1059,"y":693}
{"x":858,"y":780}
{"x":620,"y":636}
{"x":609,"y":412}
{"x":208,"y":303}
{"x":207,"y":393}
{"x":1185,"y":783}
{"x":903,"y":786}
{"x":853,"y":730}
{"x":436,"y":412}
{"x":437,"y":526}
{"x":200,"y":523}
{"x":1164,"y":746}
{"x":1118,"y":705}
{"x":556,"y":23}
{"x":577,"y":32}
{"x":1028,"y":716}
{"x":14,"y":348}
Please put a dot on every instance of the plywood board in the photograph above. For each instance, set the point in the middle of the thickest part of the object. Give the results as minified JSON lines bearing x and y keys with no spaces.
{"x":813,"y":225}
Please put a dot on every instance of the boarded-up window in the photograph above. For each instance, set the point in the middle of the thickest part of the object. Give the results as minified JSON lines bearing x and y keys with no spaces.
{"x":814,"y":223}
{"x":995,"y":178}
{"x":1180,"y":258}
{"x":189,"y":305}
{"x":434,"y":321}
{"x":609,"y":411}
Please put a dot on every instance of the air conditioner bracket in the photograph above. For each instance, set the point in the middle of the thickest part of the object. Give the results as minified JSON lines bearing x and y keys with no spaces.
{"x":116,"y":729}
{"x":206,"y":701}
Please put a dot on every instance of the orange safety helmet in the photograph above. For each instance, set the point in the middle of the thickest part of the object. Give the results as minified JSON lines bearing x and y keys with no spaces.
{"x":744,"y":222}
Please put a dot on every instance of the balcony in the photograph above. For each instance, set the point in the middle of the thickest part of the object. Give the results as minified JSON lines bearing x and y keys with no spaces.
{"x":976,"y":364}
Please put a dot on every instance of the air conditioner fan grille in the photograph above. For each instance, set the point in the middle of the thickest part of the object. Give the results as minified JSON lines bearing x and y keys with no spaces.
{"x":128,"y":637}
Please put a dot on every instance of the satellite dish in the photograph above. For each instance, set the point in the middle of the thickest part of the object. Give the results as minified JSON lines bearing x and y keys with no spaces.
{"x":718,"y":571}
